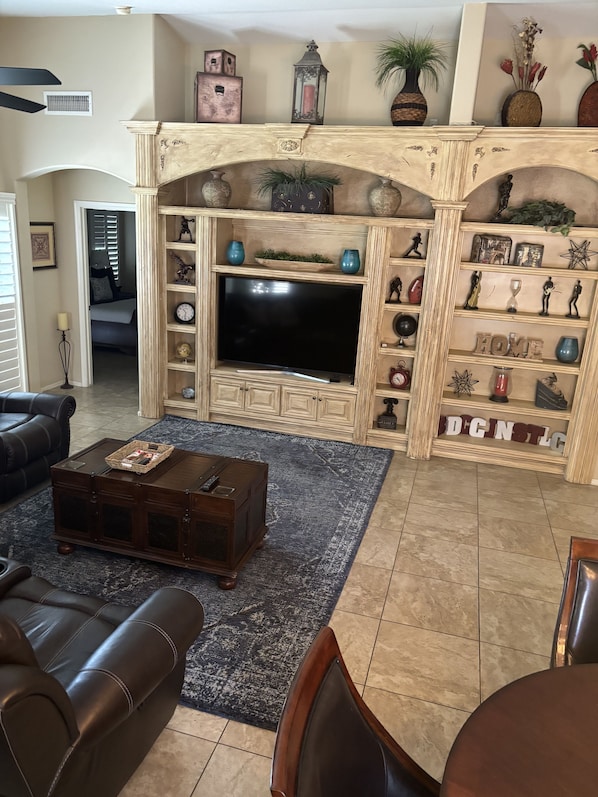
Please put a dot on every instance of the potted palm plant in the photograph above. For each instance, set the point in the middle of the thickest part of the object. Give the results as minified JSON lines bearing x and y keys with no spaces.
{"x":298,"y":191}
{"x":414,"y":58}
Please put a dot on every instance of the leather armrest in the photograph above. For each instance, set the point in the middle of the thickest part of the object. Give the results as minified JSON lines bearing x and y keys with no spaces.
{"x":59,"y":407}
{"x":133,"y":661}
{"x":11,"y":573}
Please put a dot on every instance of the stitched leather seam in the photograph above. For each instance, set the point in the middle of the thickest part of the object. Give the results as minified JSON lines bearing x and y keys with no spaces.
{"x":163,"y":633}
{"x":72,"y":638}
{"x":117,"y":680}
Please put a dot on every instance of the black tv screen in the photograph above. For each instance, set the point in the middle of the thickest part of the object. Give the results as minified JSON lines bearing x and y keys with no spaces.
{"x":307,"y":327}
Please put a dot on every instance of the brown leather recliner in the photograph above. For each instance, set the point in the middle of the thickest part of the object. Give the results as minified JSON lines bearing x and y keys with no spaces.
{"x":86,"y":686}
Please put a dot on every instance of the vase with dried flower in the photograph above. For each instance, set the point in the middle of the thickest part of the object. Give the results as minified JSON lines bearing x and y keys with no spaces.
{"x":523,"y":107}
{"x":587,"y":112}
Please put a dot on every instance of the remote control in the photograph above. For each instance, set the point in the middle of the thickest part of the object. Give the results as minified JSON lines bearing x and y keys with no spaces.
{"x":209,"y":484}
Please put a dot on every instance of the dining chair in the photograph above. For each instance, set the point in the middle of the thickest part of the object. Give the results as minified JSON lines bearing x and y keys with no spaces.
{"x":329,"y":743}
{"x":576,"y":632}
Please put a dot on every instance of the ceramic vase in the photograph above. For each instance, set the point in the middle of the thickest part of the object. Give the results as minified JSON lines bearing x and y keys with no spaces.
{"x":384,"y":198}
{"x":235,"y":253}
{"x":567,"y":350}
{"x":587,"y":112}
{"x":409,"y":107}
{"x":522,"y":109}
{"x":350,"y":262}
{"x":216,"y":191}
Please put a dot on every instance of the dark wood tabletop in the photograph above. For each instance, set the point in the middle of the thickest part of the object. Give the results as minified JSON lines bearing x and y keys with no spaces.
{"x":536,"y":737}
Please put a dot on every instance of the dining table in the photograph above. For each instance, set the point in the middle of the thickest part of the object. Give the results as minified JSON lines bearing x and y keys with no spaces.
{"x":535,"y":737}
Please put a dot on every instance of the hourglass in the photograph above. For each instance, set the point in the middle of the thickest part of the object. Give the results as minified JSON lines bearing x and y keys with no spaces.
{"x":512,"y":303}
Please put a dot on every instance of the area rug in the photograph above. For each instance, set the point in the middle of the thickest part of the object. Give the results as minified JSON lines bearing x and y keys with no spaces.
{"x":320,"y":497}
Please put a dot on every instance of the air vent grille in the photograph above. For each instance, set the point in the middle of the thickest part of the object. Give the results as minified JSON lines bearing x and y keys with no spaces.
{"x":68,"y":103}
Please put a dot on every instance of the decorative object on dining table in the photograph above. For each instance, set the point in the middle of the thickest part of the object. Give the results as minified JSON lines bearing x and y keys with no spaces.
{"x":399,"y":377}
{"x":385,"y":199}
{"x":547,"y":290}
{"x":235,"y":253}
{"x":515,"y":288}
{"x":579,"y":254}
{"x":500,"y":384}
{"x":388,"y":419}
{"x":64,"y":348}
{"x":553,"y":216}
{"x":298,"y":191}
{"x":567,"y":349}
{"x":529,"y":255}
{"x":350,"y":261}
{"x":549,"y":396}
{"x":413,"y":250}
{"x":184,"y":351}
{"x":216,"y":191}
{"x":395,"y":287}
{"x":587,"y":111}
{"x":471,"y":303}
{"x":309,"y":88}
{"x":491,"y":249}
{"x":404,"y":326}
{"x":575,"y":294}
{"x":414,"y":293}
{"x":185,"y":274}
{"x":523,"y":107}
{"x":504,"y":194}
{"x":411,"y":57}
{"x":462,"y":383}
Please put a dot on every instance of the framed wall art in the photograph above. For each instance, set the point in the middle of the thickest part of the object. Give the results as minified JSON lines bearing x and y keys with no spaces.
{"x":529,"y":255}
{"x":43,"y":245}
{"x":491,"y":249}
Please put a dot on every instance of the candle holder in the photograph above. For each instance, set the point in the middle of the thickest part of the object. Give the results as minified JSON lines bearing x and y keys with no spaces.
{"x":64,"y":349}
{"x":500,"y":384}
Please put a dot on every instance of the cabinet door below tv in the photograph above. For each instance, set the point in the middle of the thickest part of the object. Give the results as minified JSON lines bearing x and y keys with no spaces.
{"x":318,"y":405}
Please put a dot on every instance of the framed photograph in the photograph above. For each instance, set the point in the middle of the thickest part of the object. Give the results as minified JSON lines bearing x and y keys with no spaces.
{"x":43,"y":245}
{"x":529,"y":255}
{"x":491,"y":249}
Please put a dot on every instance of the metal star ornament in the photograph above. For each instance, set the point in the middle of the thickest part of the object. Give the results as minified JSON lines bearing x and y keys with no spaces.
{"x":579,"y":254}
{"x":462,"y":383}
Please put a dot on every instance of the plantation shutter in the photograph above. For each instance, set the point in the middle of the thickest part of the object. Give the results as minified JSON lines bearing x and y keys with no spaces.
{"x":103,"y":227}
{"x":12,"y":355}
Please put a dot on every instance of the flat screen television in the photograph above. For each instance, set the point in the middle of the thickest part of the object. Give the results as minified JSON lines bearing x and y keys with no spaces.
{"x":311,"y":328}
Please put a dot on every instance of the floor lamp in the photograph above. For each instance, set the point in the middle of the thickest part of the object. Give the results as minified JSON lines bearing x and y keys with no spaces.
{"x":64,"y":348}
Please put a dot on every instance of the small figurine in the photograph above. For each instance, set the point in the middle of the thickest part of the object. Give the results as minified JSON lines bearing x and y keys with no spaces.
{"x":549,"y":396}
{"x":504,"y":194}
{"x":396,"y":286}
{"x":185,"y":232}
{"x":547,"y":289}
{"x":183,"y":270}
{"x":462,"y":383}
{"x":577,"y":289}
{"x":471,"y":303}
{"x":413,"y":250}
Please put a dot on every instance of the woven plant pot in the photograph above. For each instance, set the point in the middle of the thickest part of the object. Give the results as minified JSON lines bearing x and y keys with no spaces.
{"x":409,"y":107}
{"x":522,"y":109}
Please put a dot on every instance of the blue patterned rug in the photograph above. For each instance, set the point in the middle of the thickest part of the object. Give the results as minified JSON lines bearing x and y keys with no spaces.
{"x":320,"y":497}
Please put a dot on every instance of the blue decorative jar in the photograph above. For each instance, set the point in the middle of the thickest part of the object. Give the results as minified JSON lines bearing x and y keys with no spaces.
{"x":567,"y":350}
{"x":235,"y":253}
{"x":350,"y":262}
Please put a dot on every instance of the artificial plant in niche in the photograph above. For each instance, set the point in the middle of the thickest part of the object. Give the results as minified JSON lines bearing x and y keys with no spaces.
{"x":298,"y":191}
{"x":413,"y":58}
{"x":553,"y":216}
{"x":523,"y":107}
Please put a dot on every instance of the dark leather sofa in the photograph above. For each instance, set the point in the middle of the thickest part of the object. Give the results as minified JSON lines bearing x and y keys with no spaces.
{"x":86,"y":686}
{"x":34,"y":434}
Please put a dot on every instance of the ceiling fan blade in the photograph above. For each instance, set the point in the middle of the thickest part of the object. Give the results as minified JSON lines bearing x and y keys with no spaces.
{"x":19,"y":104}
{"x":23,"y":76}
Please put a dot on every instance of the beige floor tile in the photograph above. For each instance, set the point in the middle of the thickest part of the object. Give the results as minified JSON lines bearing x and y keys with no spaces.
{"x":433,"y":604}
{"x":521,"y":575}
{"x":234,"y":773}
{"x":508,"y":534}
{"x":447,"y":467}
{"x":562,"y":541}
{"x":356,"y":637}
{"x":446,"y":560}
{"x":500,"y":666}
{"x":365,"y":590}
{"x":173,"y":766}
{"x":511,"y":481}
{"x":397,"y":484}
{"x":378,"y":547}
{"x":513,"y":621}
{"x":555,"y":488}
{"x":197,"y":723}
{"x":426,"y":731}
{"x":426,"y":664}
{"x":580,"y":519}
{"x":513,"y":506}
{"x":433,"y":522}
{"x":389,"y":513}
{"x":452,"y":495}
{"x":248,"y":738}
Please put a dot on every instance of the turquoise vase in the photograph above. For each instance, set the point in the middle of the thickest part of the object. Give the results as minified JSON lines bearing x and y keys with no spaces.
{"x":350,"y":262}
{"x":235,"y":253}
{"x":567,"y":350}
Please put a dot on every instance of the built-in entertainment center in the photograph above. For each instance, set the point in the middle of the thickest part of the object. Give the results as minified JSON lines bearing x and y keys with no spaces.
{"x":315,"y":351}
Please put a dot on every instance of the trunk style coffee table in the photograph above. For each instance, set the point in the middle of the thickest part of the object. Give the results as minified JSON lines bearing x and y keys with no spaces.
{"x":163,"y":515}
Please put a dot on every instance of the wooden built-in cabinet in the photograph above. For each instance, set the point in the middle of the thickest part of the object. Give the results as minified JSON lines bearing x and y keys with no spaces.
{"x":449,"y":177}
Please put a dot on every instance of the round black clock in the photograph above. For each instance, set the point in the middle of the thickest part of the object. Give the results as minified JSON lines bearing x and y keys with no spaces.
{"x":184,"y":313}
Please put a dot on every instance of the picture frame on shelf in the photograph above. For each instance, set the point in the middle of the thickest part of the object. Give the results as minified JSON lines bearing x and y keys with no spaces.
{"x":529,"y":255}
{"x":43,"y":245}
{"x":491,"y":249}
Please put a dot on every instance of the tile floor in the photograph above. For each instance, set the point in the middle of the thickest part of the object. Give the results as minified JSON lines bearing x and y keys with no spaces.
{"x":454,"y":592}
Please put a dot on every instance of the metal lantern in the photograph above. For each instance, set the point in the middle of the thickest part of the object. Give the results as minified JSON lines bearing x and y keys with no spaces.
{"x":309,"y":93}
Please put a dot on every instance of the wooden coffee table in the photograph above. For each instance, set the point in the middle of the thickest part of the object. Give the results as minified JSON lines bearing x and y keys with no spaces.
{"x":163,"y":515}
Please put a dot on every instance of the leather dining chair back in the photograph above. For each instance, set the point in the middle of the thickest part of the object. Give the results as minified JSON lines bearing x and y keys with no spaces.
{"x":329,"y":743}
{"x":576,"y":633}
